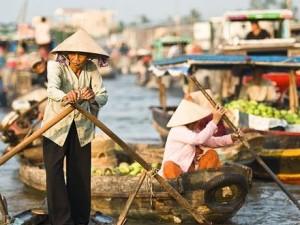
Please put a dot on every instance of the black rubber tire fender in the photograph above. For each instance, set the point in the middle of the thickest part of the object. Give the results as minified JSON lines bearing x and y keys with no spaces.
{"x":223,"y":180}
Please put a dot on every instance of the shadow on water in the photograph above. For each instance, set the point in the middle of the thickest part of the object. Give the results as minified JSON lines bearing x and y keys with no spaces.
{"x":127,"y":114}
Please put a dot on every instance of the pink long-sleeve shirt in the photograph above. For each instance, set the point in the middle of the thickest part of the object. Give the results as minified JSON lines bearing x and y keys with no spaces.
{"x":181,"y":142}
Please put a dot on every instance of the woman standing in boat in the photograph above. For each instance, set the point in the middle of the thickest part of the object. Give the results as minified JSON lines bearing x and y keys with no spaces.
{"x":73,"y":77}
{"x":189,"y":148}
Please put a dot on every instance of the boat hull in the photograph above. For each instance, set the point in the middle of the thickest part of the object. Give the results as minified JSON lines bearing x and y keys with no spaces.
{"x":281,"y":152}
{"x":109,"y":193}
{"x":160,"y":119}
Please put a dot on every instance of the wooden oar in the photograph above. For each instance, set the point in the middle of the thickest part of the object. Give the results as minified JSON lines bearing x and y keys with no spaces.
{"x":18,"y":148}
{"x":245,"y":142}
{"x":20,"y":116}
{"x":181,"y":200}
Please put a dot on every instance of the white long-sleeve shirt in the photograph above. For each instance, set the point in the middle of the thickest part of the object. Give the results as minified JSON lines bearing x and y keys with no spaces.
{"x":181,"y":142}
{"x":61,"y":80}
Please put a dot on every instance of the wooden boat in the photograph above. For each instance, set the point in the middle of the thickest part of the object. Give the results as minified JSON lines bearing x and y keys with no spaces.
{"x":218,"y":194}
{"x":160,"y":119}
{"x":281,"y":152}
{"x":280,"y":42}
{"x":30,"y":217}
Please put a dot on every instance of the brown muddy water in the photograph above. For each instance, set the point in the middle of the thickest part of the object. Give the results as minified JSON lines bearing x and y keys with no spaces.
{"x":127,"y":114}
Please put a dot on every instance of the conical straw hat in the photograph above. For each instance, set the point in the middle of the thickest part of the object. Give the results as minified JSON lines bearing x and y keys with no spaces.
{"x":80,"y":41}
{"x":34,"y":58}
{"x":200,"y":99}
{"x":188,"y":112}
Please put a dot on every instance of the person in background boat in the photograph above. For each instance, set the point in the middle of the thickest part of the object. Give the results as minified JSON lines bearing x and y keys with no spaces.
{"x":23,"y":62}
{"x":140,"y":67}
{"x":39,"y":67}
{"x":42,"y":37}
{"x":189,"y":147}
{"x":259,"y":89}
{"x":257,"y":32}
{"x":73,"y":77}
{"x":193,"y":48}
{"x":176,"y":50}
{"x":124,"y":60}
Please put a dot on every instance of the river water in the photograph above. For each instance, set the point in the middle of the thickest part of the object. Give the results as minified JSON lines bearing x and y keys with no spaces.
{"x":127,"y":114}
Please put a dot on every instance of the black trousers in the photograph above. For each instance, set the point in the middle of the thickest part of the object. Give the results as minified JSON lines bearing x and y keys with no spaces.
{"x":69,"y":202}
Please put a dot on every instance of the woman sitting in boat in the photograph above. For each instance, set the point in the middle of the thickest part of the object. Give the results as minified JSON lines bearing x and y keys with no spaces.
{"x":188,"y":148}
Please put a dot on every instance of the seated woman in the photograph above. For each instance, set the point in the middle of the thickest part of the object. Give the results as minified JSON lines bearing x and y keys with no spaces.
{"x":188,"y":148}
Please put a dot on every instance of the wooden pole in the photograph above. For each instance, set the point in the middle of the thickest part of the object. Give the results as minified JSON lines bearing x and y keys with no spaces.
{"x":245,"y":142}
{"x":123,"y":215}
{"x":162,"y":94}
{"x":181,"y":200}
{"x":18,"y":148}
{"x":293,"y":94}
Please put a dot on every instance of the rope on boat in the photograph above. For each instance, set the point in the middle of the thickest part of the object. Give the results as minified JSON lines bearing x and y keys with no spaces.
{"x":149,"y":179}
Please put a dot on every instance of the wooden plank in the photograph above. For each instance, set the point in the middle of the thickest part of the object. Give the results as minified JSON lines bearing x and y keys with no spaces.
{"x":162,"y":94}
{"x":291,"y":93}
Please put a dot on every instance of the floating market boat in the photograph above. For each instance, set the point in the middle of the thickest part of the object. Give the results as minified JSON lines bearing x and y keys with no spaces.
{"x":281,"y":152}
{"x":280,"y":148}
{"x":189,"y":64}
{"x":277,"y":22}
{"x":217,"y":194}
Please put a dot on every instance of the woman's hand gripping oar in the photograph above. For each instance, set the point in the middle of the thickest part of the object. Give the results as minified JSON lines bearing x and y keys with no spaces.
{"x":246,"y":144}
{"x":18,"y":148}
{"x":181,"y":201}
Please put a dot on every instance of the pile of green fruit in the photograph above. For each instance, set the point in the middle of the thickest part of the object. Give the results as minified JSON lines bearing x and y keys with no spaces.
{"x":134,"y":169}
{"x":263,"y":110}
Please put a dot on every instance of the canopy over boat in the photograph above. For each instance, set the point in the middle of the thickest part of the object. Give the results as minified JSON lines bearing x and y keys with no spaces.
{"x":183,"y":64}
{"x":171,"y":40}
{"x":270,"y":14}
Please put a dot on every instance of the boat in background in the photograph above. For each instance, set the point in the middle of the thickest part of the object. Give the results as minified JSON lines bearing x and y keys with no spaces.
{"x":281,"y":152}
